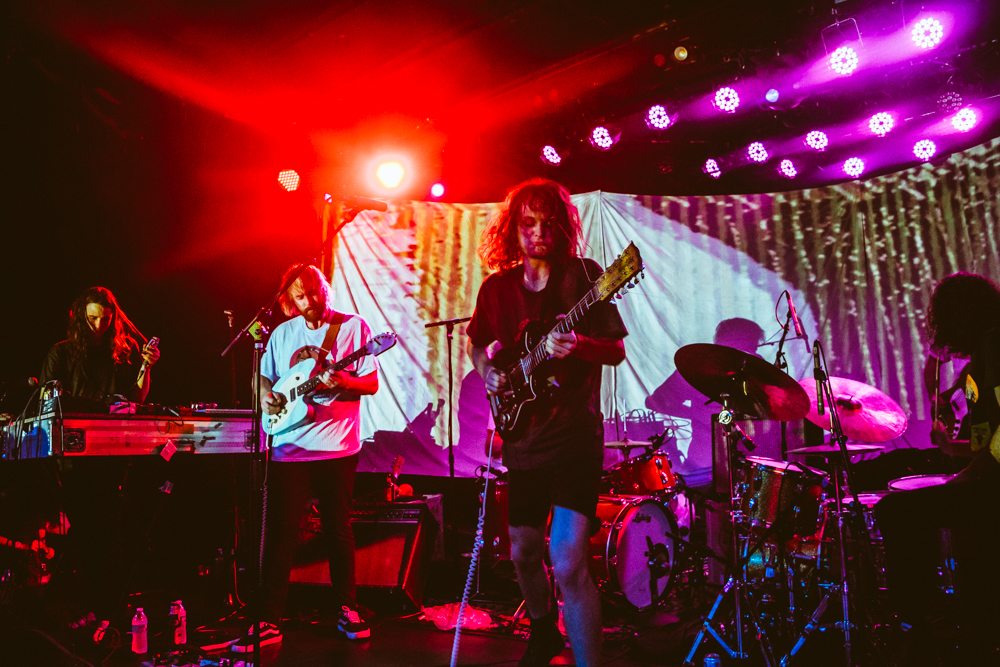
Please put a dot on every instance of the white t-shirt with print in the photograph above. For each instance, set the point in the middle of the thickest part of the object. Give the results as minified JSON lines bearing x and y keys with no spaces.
{"x":335,"y":430}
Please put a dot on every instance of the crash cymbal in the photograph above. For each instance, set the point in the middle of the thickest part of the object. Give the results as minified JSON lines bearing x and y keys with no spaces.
{"x":866,"y":413}
{"x":826,"y":450}
{"x":755,"y":387}
{"x":626,"y":444}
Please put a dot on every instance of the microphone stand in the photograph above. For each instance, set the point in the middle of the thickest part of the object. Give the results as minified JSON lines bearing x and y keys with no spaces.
{"x":258,"y":331}
{"x":449,"y":326}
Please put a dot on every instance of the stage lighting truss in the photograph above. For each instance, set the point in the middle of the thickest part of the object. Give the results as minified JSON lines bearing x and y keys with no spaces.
{"x":602,"y":138}
{"x":289,"y":179}
{"x":727,"y":99}
{"x":817,"y":140}
{"x":928,"y":33}
{"x":657,"y":118}
{"x":551,"y":156}
{"x":854,"y":167}
{"x":712,"y":168}
{"x":787,"y":169}
{"x":757,"y":152}
{"x":881,"y":123}
{"x":924,"y":149}
{"x":964,"y":120}
{"x":844,"y":61}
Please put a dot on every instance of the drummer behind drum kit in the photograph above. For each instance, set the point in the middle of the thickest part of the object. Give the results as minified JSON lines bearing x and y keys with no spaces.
{"x":802,"y":537}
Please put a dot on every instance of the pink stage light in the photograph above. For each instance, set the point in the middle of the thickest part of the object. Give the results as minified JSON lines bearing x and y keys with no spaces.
{"x":712,"y":168}
{"x":601,"y":138}
{"x":757,"y":152}
{"x":437,"y":190}
{"x":924,"y":149}
{"x":949,"y":101}
{"x":881,"y":123}
{"x":964,"y":120}
{"x":817,"y":140}
{"x":928,"y":33}
{"x":289,"y":179}
{"x":787,"y":169}
{"x":657,"y":118}
{"x":844,"y":61}
{"x":853,"y":167}
{"x":727,"y":99}
{"x":551,"y":155}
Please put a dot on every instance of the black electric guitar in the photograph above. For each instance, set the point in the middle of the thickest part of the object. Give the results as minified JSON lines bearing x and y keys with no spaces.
{"x":527,"y":365}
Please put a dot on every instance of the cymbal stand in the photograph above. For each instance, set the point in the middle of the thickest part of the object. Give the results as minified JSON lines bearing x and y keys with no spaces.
{"x":737,"y":582}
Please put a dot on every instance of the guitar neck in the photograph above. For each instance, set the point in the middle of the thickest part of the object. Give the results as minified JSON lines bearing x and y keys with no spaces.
{"x":311,"y":384}
{"x":565,"y":325}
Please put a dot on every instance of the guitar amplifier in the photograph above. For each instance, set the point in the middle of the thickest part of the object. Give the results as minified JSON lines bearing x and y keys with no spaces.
{"x":393,"y":545}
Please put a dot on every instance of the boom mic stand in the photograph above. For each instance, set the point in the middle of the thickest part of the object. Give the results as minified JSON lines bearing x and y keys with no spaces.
{"x":449,"y":326}
{"x":258,"y":331}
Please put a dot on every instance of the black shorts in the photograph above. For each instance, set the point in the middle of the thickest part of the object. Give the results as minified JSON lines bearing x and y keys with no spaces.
{"x":573,"y":484}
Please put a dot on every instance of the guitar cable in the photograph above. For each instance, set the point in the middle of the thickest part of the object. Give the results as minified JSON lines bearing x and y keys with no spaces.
{"x":474,"y":562}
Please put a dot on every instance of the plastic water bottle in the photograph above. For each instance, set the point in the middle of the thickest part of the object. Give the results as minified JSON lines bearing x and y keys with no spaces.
{"x":179,"y":616}
{"x":712,"y":660}
{"x":139,"y":632}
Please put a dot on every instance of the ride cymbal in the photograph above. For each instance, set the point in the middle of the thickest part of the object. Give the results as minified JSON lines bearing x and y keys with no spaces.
{"x":866,"y":413}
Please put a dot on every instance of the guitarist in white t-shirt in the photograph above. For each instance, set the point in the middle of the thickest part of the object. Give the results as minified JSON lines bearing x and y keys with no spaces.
{"x":318,"y":458}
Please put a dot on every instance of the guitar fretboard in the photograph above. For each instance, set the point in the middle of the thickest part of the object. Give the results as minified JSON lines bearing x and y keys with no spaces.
{"x":311,"y":384}
{"x":530,"y":362}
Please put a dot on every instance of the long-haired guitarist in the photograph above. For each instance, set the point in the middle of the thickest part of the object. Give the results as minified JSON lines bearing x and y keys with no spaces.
{"x":555,"y":458}
{"x":320,"y":456}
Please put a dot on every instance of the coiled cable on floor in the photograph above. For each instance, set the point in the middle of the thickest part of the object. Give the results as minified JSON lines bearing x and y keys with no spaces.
{"x":477,"y":545}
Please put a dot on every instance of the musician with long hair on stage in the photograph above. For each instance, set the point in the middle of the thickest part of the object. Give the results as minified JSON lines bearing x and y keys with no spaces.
{"x":555,"y":462}
{"x":964,"y":320}
{"x":96,"y":361}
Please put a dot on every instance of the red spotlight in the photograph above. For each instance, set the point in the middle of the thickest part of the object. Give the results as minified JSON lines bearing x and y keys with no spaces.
{"x":437,"y":190}
{"x":390,"y":174}
{"x":289,"y":179}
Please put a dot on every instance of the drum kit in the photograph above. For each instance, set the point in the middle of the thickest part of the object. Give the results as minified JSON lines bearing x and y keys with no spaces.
{"x":800,"y":534}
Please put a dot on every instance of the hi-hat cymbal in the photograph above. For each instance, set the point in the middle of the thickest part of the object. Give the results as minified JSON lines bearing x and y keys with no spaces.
{"x":866,"y":413}
{"x":754,"y":387}
{"x":826,"y":450}
{"x":626,"y":444}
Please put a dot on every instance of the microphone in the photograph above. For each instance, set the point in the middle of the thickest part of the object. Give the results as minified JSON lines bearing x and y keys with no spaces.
{"x":32,"y":382}
{"x":153,"y":342}
{"x":818,"y":374}
{"x":362,"y":203}
{"x":795,"y":316}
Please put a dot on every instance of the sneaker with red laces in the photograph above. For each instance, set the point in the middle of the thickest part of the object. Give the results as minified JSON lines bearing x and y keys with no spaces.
{"x":269,"y":634}
{"x":349,"y":622}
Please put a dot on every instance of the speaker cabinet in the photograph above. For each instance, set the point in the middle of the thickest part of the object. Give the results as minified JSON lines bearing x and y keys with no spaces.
{"x":392,"y":550}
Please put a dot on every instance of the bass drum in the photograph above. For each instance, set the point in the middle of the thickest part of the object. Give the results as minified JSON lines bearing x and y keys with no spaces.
{"x":632,"y":555}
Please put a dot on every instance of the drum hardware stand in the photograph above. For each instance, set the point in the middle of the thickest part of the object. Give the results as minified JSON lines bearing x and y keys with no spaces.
{"x":737,"y":582}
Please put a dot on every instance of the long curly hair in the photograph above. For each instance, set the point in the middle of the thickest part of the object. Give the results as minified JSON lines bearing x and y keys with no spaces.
{"x":499,"y":248}
{"x":120,"y":338}
{"x":963,"y":306}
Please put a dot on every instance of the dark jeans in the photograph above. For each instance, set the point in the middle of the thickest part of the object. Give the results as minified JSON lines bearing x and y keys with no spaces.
{"x":289,"y":488}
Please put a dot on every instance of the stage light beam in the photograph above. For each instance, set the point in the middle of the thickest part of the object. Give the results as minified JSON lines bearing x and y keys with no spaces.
{"x":657,"y":118}
{"x":927,"y":33}
{"x":437,"y":190}
{"x":924,"y":149}
{"x":289,"y":179}
{"x":881,"y":123}
{"x":551,"y":156}
{"x":712,"y":168}
{"x":757,"y":152}
{"x":787,"y":169}
{"x":601,"y":138}
{"x":964,"y":120}
{"x":727,"y":99}
{"x":854,"y":167}
{"x":390,"y":174}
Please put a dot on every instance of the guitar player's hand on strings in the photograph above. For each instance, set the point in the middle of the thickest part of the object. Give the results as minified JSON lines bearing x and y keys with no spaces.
{"x":335,"y":379}
{"x":272,"y":403}
{"x":560,"y":345}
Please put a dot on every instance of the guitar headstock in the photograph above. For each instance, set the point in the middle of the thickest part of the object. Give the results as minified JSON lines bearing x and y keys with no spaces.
{"x":620,"y":273}
{"x":380,"y":343}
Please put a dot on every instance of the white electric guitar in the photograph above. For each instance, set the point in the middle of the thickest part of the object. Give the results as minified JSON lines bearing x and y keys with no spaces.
{"x":299,"y":382}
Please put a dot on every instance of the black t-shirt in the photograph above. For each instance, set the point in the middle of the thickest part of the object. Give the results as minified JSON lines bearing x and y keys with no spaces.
{"x":96,"y":377}
{"x":570,"y":424}
{"x":982,"y":392}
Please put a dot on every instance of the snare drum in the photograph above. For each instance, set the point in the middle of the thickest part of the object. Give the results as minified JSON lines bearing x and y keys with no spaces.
{"x":776,"y":489}
{"x":634,"y":532}
{"x":645,"y":475}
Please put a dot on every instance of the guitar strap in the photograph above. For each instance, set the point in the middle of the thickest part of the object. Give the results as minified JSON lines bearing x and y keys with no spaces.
{"x":331,"y":334}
